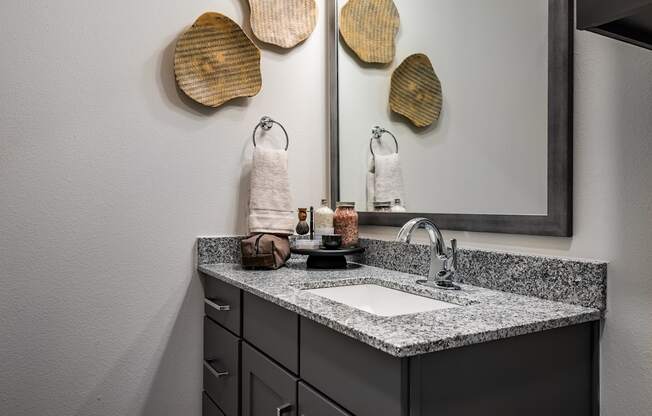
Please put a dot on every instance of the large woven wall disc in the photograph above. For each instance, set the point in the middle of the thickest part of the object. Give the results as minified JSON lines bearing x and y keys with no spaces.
{"x":369,"y":28}
{"x":284,"y":23}
{"x":416,"y":91}
{"x":215,"y":61}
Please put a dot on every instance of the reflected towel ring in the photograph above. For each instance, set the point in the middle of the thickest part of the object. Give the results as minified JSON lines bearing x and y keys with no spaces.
{"x":377,"y":132}
{"x":266,"y":123}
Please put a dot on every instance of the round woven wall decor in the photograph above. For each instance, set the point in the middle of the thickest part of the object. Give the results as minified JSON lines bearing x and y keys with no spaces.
{"x":416,"y":91}
{"x":369,"y":28}
{"x":284,"y":23}
{"x":215,"y":61}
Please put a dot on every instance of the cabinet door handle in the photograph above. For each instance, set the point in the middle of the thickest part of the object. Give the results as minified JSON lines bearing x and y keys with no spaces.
{"x":284,"y":408}
{"x":214,"y":372}
{"x":216,"y":306}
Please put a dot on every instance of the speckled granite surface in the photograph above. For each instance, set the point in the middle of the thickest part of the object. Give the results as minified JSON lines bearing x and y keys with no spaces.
{"x":579,"y":282}
{"x":483,"y":314}
{"x":218,"y":250}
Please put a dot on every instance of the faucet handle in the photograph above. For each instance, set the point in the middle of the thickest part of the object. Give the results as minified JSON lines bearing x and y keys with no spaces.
{"x":453,"y":254}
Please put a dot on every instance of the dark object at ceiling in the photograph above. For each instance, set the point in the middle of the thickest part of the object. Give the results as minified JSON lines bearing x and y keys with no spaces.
{"x":626,"y":20}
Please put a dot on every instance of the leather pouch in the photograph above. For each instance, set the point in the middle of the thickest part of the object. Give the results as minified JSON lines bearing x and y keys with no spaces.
{"x":264,"y":251}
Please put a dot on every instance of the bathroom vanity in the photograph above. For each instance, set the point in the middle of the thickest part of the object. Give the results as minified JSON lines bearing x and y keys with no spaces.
{"x":521,"y":336}
{"x":276,"y":342}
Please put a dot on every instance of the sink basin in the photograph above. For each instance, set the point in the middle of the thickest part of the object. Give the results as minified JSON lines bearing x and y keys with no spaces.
{"x":380,"y":300}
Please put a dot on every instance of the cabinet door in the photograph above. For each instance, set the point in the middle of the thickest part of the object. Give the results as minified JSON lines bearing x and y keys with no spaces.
{"x":363,"y":380}
{"x":209,"y":408}
{"x":311,"y":403}
{"x":222,"y":304}
{"x":267,"y":389}
{"x":221,"y":367}
{"x":271,"y":329}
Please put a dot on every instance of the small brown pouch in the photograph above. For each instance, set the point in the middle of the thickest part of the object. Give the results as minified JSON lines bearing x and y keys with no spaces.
{"x":264,"y":251}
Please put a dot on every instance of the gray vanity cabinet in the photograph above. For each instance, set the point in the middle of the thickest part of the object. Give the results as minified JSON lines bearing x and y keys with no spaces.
{"x":362,"y":379}
{"x":263,"y":360}
{"x":209,"y":408}
{"x":312,"y":403}
{"x":222,"y":304}
{"x":222,"y":367}
{"x":271,"y":329}
{"x":267,"y":389}
{"x":541,"y":374}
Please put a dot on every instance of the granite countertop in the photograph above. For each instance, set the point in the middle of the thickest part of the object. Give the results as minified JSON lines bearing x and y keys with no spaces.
{"x":484,"y":314}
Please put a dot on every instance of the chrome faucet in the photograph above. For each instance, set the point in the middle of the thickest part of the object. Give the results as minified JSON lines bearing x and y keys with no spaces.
{"x":443,"y":260}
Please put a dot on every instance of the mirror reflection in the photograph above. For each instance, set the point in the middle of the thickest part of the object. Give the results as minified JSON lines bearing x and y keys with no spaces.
{"x":457,"y":121}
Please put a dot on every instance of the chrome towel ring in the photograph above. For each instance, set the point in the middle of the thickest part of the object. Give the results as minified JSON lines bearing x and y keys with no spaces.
{"x":266,"y":123}
{"x":376,"y":134}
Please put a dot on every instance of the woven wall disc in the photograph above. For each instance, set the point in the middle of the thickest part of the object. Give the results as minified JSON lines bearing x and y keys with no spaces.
{"x":369,"y":28}
{"x":284,"y":23}
{"x":416,"y":91}
{"x":215,"y":61}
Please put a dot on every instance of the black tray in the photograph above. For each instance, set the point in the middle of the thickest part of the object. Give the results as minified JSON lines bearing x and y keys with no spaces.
{"x":321,"y":258}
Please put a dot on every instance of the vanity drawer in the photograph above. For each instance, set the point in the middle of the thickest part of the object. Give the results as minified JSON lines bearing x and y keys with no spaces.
{"x":221,"y":367}
{"x":267,"y":388}
{"x":362,"y":379}
{"x":209,"y":408}
{"x":311,"y":403}
{"x":272,"y":329}
{"x":222,"y":304}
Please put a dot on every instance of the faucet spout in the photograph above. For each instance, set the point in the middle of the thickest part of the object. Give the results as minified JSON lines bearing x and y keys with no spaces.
{"x":443,"y":260}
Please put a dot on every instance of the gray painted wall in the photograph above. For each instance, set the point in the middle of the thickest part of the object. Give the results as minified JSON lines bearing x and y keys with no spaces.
{"x":107,"y":176}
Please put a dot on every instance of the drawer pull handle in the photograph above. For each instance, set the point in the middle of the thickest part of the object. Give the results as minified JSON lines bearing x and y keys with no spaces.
{"x":216,"y":306}
{"x":214,"y":372}
{"x":281,"y":409}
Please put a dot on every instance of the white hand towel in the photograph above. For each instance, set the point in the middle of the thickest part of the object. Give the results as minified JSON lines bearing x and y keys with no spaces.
{"x":371,"y":184}
{"x":270,"y":202}
{"x":389,"y":178}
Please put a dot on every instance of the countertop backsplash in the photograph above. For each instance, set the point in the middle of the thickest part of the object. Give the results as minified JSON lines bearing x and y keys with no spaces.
{"x":577,"y":282}
{"x":213,"y":250}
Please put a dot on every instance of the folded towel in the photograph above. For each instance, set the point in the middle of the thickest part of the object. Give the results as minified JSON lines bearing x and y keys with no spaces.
{"x":371,"y":184}
{"x":389,"y":178}
{"x":270,"y":202}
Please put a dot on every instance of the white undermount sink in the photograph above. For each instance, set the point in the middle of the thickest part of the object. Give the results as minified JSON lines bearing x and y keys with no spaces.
{"x":380,"y":300}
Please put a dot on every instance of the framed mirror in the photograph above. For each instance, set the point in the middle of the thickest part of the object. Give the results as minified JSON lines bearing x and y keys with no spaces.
{"x":499,"y":156}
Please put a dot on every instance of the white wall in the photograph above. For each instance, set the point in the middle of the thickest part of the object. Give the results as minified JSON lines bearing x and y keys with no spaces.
{"x":613,"y":210}
{"x":107,"y":176}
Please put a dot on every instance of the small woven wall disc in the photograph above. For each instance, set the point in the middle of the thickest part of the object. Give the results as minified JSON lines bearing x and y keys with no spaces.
{"x":416,"y":91}
{"x":284,"y":23}
{"x":215,"y":61}
{"x":369,"y":28}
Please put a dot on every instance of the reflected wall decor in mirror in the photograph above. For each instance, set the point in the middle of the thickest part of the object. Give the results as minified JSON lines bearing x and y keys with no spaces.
{"x":495,"y":154}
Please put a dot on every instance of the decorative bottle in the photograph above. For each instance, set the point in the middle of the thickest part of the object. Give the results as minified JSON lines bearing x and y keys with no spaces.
{"x":324,"y":220}
{"x":345,"y":221}
{"x":302,"y":227}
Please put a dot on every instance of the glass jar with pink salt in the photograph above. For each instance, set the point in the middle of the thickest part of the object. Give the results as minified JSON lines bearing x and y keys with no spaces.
{"x":345,"y":222}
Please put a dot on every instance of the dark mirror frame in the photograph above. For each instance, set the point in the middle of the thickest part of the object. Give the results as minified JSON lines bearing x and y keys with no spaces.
{"x":558,"y":221}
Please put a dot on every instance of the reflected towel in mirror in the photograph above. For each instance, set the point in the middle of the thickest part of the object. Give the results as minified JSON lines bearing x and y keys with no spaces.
{"x":387,"y":180}
{"x":371,"y":184}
